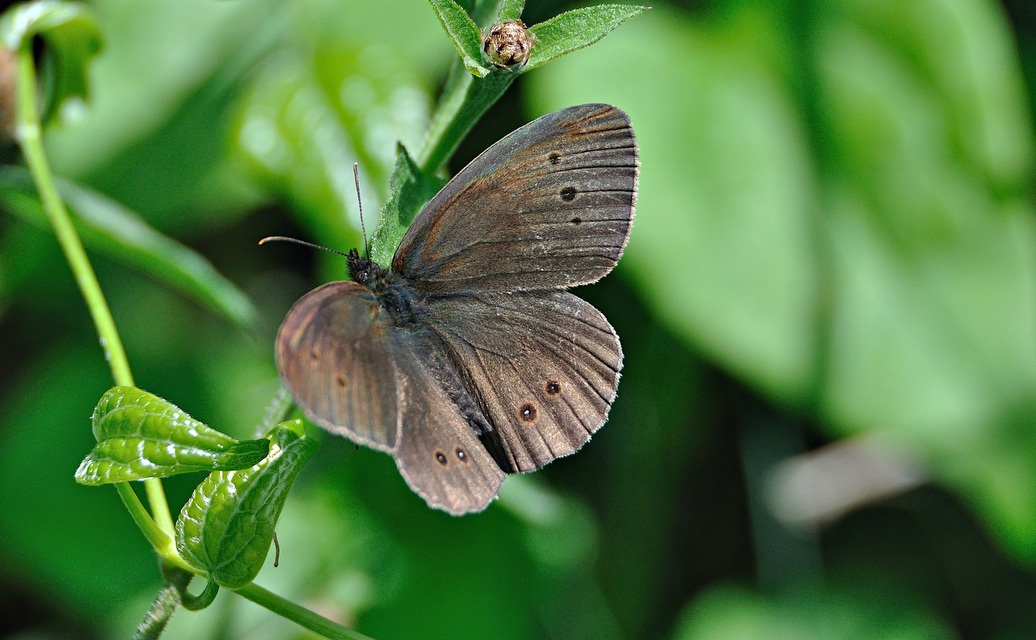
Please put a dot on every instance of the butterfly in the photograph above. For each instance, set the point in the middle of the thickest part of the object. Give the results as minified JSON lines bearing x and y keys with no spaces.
{"x":467,"y":359}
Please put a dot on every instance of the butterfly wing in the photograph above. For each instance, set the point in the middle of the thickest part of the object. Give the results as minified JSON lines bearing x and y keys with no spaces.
{"x":542,"y":366}
{"x":549,"y":206}
{"x":356,"y":374}
{"x":333,"y":355}
{"x":439,"y":454}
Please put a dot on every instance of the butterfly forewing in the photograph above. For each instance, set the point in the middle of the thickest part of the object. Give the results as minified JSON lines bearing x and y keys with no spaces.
{"x":332,"y":354}
{"x":549,"y":206}
{"x":543,"y":366}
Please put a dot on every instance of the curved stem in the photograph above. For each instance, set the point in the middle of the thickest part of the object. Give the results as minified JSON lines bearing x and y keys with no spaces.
{"x":30,"y":139}
{"x":300,"y":615}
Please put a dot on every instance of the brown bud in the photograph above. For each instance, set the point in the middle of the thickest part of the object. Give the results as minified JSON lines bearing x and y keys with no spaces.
{"x":507,"y":44}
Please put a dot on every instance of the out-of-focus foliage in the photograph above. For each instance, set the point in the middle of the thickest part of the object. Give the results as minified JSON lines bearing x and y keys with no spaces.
{"x":845,"y":219}
{"x":834,"y":238}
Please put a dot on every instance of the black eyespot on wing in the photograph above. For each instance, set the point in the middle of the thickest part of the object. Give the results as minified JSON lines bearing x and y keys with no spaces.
{"x":554,"y":157}
{"x":527,"y":412}
{"x":553,"y":387}
{"x":577,"y":220}
{"x":568,"y":194}
{"x":440,"y":457}
{"x":462,"y":455}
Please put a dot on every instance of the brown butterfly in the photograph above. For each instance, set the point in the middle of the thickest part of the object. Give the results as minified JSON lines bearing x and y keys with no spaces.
{"x":467,"y":359}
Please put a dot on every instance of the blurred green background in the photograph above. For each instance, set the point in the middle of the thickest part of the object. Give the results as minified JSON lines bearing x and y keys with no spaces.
{"x":826,"y":425}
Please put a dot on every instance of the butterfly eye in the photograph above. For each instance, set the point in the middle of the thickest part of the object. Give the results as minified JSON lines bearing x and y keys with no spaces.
{"x":527,"y":412}
{"x":553,"y":387}
{"x":440,"y":457}
{"x":568,"y":194}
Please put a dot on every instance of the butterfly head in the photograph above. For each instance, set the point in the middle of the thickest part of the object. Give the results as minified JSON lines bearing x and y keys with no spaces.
{"x":366,"y":272}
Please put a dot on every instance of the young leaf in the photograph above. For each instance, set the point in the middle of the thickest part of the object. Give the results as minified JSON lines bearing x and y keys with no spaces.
{"x":576,"y":29}
{"x":464,"y":33}
{"x":226,"y":528}
{"x":511,"y":9}
{"x":72,"y":38}
{"x":409,"y":188}
{"x":140,"y":435}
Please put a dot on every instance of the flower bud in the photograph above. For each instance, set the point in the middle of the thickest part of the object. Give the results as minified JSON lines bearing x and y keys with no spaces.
{"x":507,"y":44}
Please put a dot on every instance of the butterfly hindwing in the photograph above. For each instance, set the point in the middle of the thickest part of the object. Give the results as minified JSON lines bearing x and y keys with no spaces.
{"x":439,"y":454}
{"x":543,"y":366}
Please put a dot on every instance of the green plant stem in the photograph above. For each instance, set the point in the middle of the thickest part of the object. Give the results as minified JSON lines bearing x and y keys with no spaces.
{"x":300,"y":615}
{"x":465,"y":100}
{"x":160,"y":539}
{"x":30,"y":139}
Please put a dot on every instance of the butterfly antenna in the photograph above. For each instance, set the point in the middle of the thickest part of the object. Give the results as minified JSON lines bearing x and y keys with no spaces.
{"x":303,"y":243}
{"x":359,"y":203}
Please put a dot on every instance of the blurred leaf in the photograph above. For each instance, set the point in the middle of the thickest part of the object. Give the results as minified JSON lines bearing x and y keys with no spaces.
{"x":829,"y":614}
{"x":721,"y":245}
{"x":42,"y":410}
{"x":932,"y":244}
{"x":857,"y":239}
{"x":576,"y":29}
{"x":73,"y":39}
{"x":106,"y":226}
{"x":227,"y":526}
{"x":464,"y":34}
{"x":140,"y":435}
{"x":304,"y":122}
{"x":154,"y":136}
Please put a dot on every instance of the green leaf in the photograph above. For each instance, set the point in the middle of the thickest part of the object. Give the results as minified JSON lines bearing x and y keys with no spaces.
{"x":106,"y":226}
{"x":409,"y":189}
{"x":73,"y":39}
{"x":226,"y":528}
{"x":464,"y":34}
{"x":511,"y":9}
{"x":140,"y":435}
{"x":576,"y":29}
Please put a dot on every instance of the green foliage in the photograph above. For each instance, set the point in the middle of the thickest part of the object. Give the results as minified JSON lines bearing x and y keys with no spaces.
{"x":848,"y":224}
{"x":835,"y":220}
{"x":72,"y":39}
{"x":110,"y":228}
{"x":464,"y":34}
{"x":835,"y":613}
{"x":226,"y":528}
{"x":140,"y":435}
{"x":573,"y":30}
